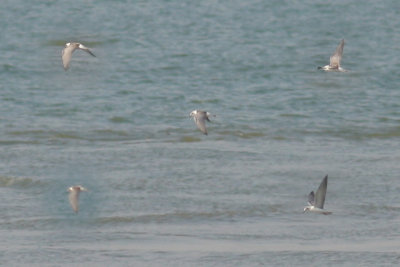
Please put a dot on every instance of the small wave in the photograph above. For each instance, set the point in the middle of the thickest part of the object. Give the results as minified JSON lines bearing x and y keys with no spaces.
{"x":29,"y":132}
{"x":293,"y":115}
{"x":35,"y":223}
{"x":17,"y":142}
{"x":111,"y":133}
{"x":201,"y":101}
{"x":42,"y":134}
{"x":156,"y":218}
{"x":103,"y":134}
{"x":189,"y":139}
{"x":179,"y":55}
{"x":224,"y":214}
{"x":115,"y":219}
{"x":250,"y":134}
{"x":245,"y":135}
{"x":370,"y":208}
{"x":354,"y":133}
{"x":65,"y":136}
{"x":8,"y":68}
{"x":384,"y":135}
{"x":118,"y":119}
{"x":86,"y":43}
{"x":222,"y":134}
{"x":21,"y":182}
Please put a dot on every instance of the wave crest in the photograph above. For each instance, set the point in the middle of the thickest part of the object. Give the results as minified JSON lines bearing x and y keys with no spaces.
{"x":23,"y":182}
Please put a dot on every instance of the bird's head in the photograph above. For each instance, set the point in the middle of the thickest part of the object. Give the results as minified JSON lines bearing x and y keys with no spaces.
{"x":326,"y":67}
{"x":77,"y":188}
{"x":193,"y":113}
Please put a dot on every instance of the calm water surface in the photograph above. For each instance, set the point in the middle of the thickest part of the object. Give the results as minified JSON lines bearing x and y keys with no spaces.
{"x":160,"y":192}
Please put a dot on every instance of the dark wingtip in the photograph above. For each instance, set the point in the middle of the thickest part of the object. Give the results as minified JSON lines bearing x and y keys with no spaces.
{"x":319,"y":68}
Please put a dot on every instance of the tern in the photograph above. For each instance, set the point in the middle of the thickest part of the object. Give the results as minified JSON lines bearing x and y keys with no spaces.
{"x":316,"y":202}
{"x":74,"y":196}
{"x":334,"y":63}
{"x":200,"y":118}
{"x":69,"y":49}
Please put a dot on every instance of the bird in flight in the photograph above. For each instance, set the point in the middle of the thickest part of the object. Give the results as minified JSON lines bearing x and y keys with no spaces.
{"x":316,"y":202}
{"x":69,"y":49}
{"x":74,"y":196}
{"x":334,"y":63}
{"x":200,"y":117}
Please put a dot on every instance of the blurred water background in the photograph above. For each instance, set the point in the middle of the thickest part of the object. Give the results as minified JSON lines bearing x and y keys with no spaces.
{"x":160,"y":192}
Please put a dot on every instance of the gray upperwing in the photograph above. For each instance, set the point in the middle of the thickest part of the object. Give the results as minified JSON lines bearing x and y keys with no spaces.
{"x":321,"y":192}
{"x":201,"y":124}
{"x":66,"y":56}
{"x":311,"y":198}
{"x":87,"y":50}
{"x":73,"y":199}
{"x":84,"y":48}
{"x":337,"y":56}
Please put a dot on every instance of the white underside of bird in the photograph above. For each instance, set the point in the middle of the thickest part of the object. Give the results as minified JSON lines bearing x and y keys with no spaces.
{"x":73,"y":196}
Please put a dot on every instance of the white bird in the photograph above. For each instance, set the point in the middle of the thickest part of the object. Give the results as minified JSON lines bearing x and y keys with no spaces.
{"x":69,"y":49}
{"x":334,"y":63}
{"x":200,"y":118}
{"x":316,"y":203}
{"x":74,"y":196}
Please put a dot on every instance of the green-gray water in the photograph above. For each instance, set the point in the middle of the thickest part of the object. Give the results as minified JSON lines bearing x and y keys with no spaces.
{"x":160,"y":192}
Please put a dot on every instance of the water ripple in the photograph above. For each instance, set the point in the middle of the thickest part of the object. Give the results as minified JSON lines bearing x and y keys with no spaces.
{"x":19,"y":182}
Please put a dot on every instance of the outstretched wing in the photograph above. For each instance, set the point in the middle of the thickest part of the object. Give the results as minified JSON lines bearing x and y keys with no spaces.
{"x":311,"y":198}
{"x":201,"y":123}
{"x":66,"y":55}
{"x":73,"y":199}
{"x":321,"y":192}
{"x":337,"y":56}
{"x":84,"y":48}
